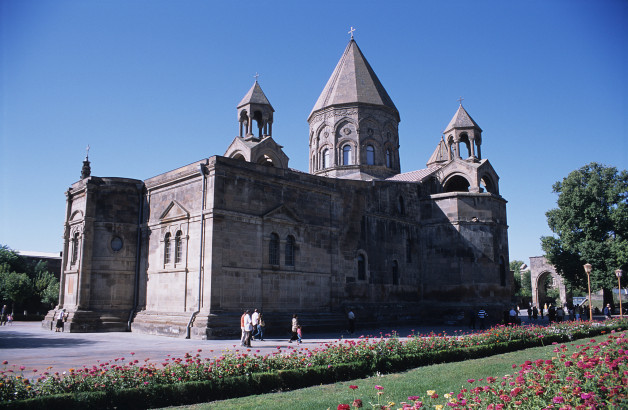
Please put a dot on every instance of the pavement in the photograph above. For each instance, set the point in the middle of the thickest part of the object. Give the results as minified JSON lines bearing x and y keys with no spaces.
{"x":28,"y":344}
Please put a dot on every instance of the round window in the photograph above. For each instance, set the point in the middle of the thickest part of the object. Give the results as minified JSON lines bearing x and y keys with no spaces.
{"x":116,"y":243}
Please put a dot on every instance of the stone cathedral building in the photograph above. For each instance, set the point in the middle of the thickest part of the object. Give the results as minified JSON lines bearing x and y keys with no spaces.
{"x":183,"y":253}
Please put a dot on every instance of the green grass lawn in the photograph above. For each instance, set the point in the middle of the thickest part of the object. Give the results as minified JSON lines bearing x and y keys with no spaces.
{"x":443,"y":378}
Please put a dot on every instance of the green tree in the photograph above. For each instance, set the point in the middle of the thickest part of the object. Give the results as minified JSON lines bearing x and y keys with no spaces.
{"x":25,"y":283}
{"x":46,"y":288}
{"x":523,"y":286}
{"x":590,"y":225}
{"x":15,"y":287}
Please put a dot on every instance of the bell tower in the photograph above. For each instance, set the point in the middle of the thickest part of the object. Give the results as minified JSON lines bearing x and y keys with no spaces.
{"x":255,"y":107}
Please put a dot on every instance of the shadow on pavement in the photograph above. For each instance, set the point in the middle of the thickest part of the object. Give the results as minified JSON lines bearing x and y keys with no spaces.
{"x":17,"y":340}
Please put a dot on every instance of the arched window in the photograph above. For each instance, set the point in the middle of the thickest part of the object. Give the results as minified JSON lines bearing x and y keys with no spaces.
{"x":75,"y":246}
{"x":346,"y":155}
{"x":395,"y":273}
{"x":290,"y":250}
{"x":370,"y":155}
{"x":326,"y":162}
{"x":177,"y":247}
{"x":273,"y":249}
{"x":167,"y":249}
{"x":388,"y":159}
{"x":361,"y":267}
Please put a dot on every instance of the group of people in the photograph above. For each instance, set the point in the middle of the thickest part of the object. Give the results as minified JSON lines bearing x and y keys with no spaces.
{"x":6,"y":316}
{"x":252,"y":326}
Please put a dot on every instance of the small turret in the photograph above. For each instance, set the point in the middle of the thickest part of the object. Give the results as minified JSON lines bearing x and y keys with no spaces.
{"x":86,"y":171}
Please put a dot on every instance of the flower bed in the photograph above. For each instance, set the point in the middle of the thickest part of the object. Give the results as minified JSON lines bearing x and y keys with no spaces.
{"x":594,"y":376}
{"x":225,"y":375}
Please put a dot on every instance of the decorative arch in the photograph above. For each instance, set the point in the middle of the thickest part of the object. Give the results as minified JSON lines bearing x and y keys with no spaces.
{"x":487,"y":184}
{"x":456,"y":183}
{"x":369,"y":128}
{"x":346,"y":128}
{"x":540,"y":271}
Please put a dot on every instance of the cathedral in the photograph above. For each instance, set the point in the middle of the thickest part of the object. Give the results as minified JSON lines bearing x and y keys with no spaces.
{"x":182,"y":254}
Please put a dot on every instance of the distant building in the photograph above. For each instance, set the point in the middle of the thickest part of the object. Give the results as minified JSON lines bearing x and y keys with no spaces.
{"x":53,"y":260}
{"x":183,"y":253}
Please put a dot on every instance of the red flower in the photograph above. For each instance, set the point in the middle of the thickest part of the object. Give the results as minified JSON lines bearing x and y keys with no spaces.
{"x":353,"y":387}
{"x":357,"y":403}
{"x":344,"y":407}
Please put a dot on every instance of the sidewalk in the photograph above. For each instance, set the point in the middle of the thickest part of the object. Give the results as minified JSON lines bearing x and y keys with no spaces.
{"x":28,"y":344}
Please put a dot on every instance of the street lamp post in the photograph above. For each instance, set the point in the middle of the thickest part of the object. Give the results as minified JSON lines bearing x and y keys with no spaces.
{"x":618,"y":273}
{"x":587,"y":269}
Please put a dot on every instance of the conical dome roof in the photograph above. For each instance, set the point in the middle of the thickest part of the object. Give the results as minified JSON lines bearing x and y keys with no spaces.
{"x":461,"y":119}
{"x":353,"y":81}
{"x":255,"y":96}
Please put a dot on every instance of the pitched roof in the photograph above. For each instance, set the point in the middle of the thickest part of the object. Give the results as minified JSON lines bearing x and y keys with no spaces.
{"x":440,"y":154}
{"x":414,"y":176}
{"x":255,"y":96}
{"x":353,"y":81}
{"x":461,"y":119}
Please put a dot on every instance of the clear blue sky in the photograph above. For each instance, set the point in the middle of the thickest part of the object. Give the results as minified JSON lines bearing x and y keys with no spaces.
{"x":153,"y":85}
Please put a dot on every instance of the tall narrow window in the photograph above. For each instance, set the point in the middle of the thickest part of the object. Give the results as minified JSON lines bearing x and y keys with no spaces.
{"x":75,"y":246}
{"x":395,"y":273}
{"x":273,"y":249}
{"x":388,"y":159}
{"x":326,"y":162}
{"x":370,"y":155}
{"x":167,"y":249}
{"x":290,"y":250}
{"x":502,"y":271}
{"x":346,"y":155}
{"x":361,"y":268}
{"x":177,"y":247}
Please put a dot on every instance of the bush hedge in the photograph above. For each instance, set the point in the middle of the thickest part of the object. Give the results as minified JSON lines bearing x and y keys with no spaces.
{"x":265,"y":382}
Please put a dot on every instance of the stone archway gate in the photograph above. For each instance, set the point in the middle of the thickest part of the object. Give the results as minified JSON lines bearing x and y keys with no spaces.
{"x":539,"y":269}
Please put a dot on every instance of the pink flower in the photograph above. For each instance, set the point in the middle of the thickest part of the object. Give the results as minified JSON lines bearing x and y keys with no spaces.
{"x":379,"y":387}
{"x":353,"y":387}
{"x":558,"y":399}
{"x":470,"y":380}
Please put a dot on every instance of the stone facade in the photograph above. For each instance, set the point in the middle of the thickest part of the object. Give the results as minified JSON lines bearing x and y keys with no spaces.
{"x":183,"y":253}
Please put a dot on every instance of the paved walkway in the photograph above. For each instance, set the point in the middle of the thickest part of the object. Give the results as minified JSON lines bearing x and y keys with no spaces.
{"x":28,"y":344}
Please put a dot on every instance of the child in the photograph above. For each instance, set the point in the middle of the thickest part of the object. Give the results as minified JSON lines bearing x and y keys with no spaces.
{"x":299,"y":334}
{"x":10,"y":318}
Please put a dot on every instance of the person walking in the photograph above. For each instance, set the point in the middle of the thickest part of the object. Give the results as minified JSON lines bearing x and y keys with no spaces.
{"x":255,"y":323}
{"x":299,"y":334}
{"x":60,"y":317}
{"x":482,"y":315}
{"x":3,"y":315}
{"x":260,"y":327}
{"x":248,"y":327}
{"x":351,"y":318}
{"x":242,"y":328}
{"x":295,"y":326}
